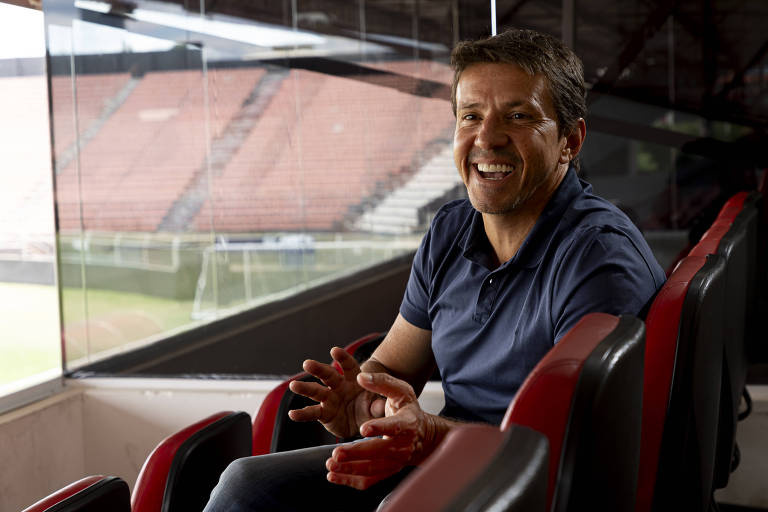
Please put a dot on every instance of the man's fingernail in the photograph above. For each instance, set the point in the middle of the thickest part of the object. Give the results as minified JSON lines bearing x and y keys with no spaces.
{"x":367,"y":377}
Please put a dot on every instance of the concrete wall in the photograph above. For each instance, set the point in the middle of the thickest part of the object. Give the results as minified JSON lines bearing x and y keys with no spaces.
{"x":748,"y":485}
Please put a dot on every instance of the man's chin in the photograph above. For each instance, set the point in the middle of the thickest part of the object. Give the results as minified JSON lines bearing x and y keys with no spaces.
{"x":488,"y":208}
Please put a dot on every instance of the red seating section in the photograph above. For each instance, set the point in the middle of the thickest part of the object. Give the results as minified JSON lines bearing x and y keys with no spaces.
{"x":298,"y":163}
{"x":683,"y":363}
{"x":585,"y":395}
{"x":733,"y":236}
{"x":146,"y":153}
{"x":183,"y":469}
{"x":91,"y":494}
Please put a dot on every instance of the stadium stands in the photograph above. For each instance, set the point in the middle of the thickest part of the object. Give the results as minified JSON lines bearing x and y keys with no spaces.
{"x":310,"y":158}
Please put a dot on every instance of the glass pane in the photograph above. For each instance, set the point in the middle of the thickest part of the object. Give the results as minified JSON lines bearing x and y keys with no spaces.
{"x":30,"y":345}
{"x":131,"y":131}
{"x":207,"y":162}
{"x":308,"y":184}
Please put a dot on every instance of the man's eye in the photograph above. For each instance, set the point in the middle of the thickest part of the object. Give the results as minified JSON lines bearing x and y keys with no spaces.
{"x":517,"y":115}
{"x":469,"y":117}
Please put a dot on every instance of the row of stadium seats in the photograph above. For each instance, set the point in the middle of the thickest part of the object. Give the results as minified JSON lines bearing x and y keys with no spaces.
{"x":143,"y":147}
{"x":621,"y":414}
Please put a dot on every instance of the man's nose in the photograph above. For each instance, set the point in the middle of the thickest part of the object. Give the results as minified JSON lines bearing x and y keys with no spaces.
{"x":491,"y":134}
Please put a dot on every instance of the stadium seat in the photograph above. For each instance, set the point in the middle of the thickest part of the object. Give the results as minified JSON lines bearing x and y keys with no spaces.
{"x":733,"y":236}
{"x":273,"y":431}
{"x":479,"y":467}
{"x":183,"y":469}
{"x":90,"y":494}
{"x":585,"y":396}
{"x":681,"y":395}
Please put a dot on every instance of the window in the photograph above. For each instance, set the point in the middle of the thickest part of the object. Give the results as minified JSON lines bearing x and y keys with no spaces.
{"x":206,"y":163}
{"x":30,"y":354}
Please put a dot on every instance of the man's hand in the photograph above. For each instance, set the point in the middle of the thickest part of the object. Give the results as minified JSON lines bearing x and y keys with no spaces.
{"x":409,"y":435}
{"x":343,"y":406}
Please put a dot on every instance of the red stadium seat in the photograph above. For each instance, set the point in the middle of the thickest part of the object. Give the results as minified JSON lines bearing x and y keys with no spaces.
{"x":681,"y":396}
{"x":733,"y":236}
{"x":183,"y":469}
{"x":273,"y":431}
{"x":90,"y":494}
{"x":478,"y":467}
{"x":585,"y":396}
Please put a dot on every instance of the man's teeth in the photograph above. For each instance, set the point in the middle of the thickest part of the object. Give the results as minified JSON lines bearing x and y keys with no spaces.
{"x":495,"y":168}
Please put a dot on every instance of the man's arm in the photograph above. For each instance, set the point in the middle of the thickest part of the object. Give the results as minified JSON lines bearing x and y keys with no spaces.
{"x":405,"y":353}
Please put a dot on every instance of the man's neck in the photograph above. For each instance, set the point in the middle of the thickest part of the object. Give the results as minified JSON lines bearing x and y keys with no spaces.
{"x":507,"y":232}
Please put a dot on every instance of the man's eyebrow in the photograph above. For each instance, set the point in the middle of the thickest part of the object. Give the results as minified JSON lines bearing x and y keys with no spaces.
{"x":509,"y":104}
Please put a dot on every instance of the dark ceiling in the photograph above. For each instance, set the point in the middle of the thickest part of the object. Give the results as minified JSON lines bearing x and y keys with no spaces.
{"x":714,"y":52}
{"x":708,"y":57}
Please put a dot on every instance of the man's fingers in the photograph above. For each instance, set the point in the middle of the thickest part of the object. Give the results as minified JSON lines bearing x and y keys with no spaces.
{"x":348,"y":363}
{"x":393,"y":449}
{"x":360,"y":483}
{"x":309,"y":413}
{"x":325,"y":372}
{"x":361,"y":474}
{"x":364,"y":467}
{"x":394,"y":425}
{"x":313,"y":390}
{"x":399,"y":391}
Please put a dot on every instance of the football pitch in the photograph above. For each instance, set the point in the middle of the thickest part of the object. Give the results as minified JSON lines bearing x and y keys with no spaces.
{"x":31,"y":340}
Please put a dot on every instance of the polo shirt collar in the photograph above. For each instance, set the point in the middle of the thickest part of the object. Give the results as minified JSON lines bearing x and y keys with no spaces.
{"x":477,"y":247}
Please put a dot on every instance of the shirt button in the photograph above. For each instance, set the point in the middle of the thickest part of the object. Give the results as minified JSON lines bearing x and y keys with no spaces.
{"x":490,"y":281}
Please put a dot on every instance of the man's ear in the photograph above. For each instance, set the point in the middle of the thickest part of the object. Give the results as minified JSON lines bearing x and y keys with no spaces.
{"x":573,"y":141}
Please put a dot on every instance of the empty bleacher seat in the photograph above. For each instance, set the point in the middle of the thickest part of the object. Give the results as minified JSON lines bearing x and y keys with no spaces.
{"x":586,"y":396}
{"x":183,"y":469}
{"x":733,"y":236}
{"x":681,"y":396}
{"x":96,"y":493}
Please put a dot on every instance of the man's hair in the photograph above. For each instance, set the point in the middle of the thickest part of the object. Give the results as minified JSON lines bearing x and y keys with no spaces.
{"x":535,"y":53}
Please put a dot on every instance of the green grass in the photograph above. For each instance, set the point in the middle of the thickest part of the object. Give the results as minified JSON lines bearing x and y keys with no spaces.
{"x":98,"y":320}
{"x":30,"y":333}
{"x":116,"y":318}
{"x":30,"y":318}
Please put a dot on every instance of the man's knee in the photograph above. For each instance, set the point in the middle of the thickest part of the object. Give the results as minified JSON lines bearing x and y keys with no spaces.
{"x":234,"y":485}
{"x":236,"y":473}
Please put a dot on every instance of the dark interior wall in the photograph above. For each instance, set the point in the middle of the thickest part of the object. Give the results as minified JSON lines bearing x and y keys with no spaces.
{"x":274,"y":339}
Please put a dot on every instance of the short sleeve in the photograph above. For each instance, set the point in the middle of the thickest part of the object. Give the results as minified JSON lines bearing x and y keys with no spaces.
{"x":415,"y":305}
{"x":602,"y":272}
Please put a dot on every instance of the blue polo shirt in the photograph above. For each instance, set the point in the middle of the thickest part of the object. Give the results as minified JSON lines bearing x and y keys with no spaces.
{"x":490,"y":326}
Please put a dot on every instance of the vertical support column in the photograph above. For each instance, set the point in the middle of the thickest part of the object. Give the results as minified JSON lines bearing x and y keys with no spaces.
{"x":569,"y":23}
{"x":493,"y":18}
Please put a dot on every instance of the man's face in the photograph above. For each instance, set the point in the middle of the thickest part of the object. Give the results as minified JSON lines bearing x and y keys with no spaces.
{"x":506,"y":143}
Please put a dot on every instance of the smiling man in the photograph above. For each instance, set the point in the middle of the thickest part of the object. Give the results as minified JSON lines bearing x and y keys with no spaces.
{"x":495,"y":283}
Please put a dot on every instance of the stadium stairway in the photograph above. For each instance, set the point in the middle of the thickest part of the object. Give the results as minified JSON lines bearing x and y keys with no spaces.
{"x":405,"y":210}
{"x":181,"y":215}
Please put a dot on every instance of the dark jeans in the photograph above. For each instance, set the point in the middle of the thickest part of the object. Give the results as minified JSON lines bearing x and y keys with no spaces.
{"x":290,"y":481}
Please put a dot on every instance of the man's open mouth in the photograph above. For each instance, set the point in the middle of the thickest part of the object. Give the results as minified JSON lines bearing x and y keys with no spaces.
{"x":493,"y":171}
